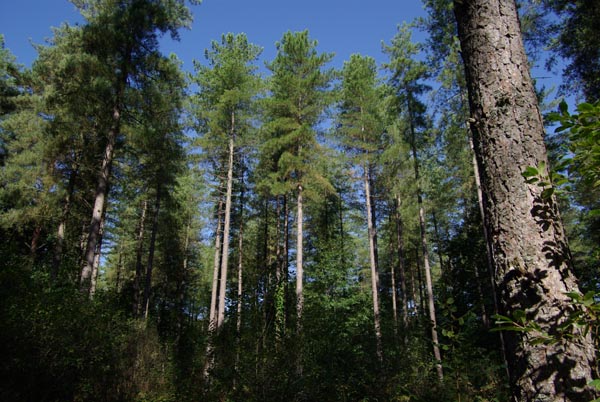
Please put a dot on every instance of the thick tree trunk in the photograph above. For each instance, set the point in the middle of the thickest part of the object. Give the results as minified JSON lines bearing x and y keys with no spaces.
{"x":151,"y":249}
{"x":226,"y":228}
{"x":530,"y":252}
{"x":372,"y":233}
{"x":99,"y":202}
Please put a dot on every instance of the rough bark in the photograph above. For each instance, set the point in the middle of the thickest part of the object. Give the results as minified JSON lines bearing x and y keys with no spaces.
{"x":488,"y":249}
{"x":372,"y":233}
{"x":530,"y":252}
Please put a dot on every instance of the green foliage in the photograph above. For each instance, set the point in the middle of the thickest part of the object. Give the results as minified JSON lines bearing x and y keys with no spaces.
{"x":299,"y":96}
{"x":582,"y":319}
{"x":584,"y":140}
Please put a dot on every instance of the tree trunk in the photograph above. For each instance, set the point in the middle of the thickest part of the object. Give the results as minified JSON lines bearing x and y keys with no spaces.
{"x":138,"y":259}
{"x":393,"y":285}
{"x":226,"y":227}
{"x":97,"y":256}
{"x":425,"y":249}
{"x":286,"y":265}
{"x":401,"y":261}
{"x":60,"y":232}
{"x":35,"y":240}
{"x":299,"y":275}
{"x":151,"y":248}
{"x":240,"y":288}
{"x":279,"y":275}
{"x":372,"y":233}
{"x":530,"y":252}
{"x":438,"y":240}
{"x":99,"y":202}
{"x":212,"y":322}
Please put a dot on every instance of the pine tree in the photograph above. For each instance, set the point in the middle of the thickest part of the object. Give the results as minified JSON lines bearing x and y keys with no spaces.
{"x":531,"y":257}
{"x":407,"y":77}
{"x":299,"y":95}
{"x":361,"y":129}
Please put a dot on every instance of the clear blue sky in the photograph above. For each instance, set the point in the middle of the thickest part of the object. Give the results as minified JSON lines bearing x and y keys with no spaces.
{"x":340,"y":26}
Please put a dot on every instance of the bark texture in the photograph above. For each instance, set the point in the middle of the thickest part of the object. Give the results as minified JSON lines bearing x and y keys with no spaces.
{"x":530,"y":253}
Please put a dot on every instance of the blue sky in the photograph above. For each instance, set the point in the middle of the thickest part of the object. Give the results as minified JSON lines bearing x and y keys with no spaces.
{"x":340,"y":26}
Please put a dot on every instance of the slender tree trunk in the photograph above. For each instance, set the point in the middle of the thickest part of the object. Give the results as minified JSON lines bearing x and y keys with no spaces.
{"x":280,"y":268}
{"x":531,"y":258}
{"x":401,"y":260}
{"x":151,"y":249}
{"x":99,"y":202}
{"x":119,"y":271}
{"x":212,"y":323}
{"x":299,"y":275}
{"x":286,"y":259}
{"x":372,"y":233}
{"x":438,"y":241}
{"x":138,"y":259}
{"x":226,"y":227}
{"x":35,"y":240}
{"x":212,"y":319}
{"x":97,"y":256}
{"x":240,"y":288}
{"x":393,"y":279}
{"x":181,"y":285}
{"x":420,"y":281}
{"x":412,"y":285}
{"x":62,"y":226}
{"x":425,"y":249}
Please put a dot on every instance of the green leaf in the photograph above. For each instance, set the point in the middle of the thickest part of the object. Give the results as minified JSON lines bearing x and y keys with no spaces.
{"x":530,"y":171}
{"x":547,"y":193}
{"x":585,"y":107}
{"x":595,"y":383}
{"x":519,"y":315}
{"x":564,"y":108}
